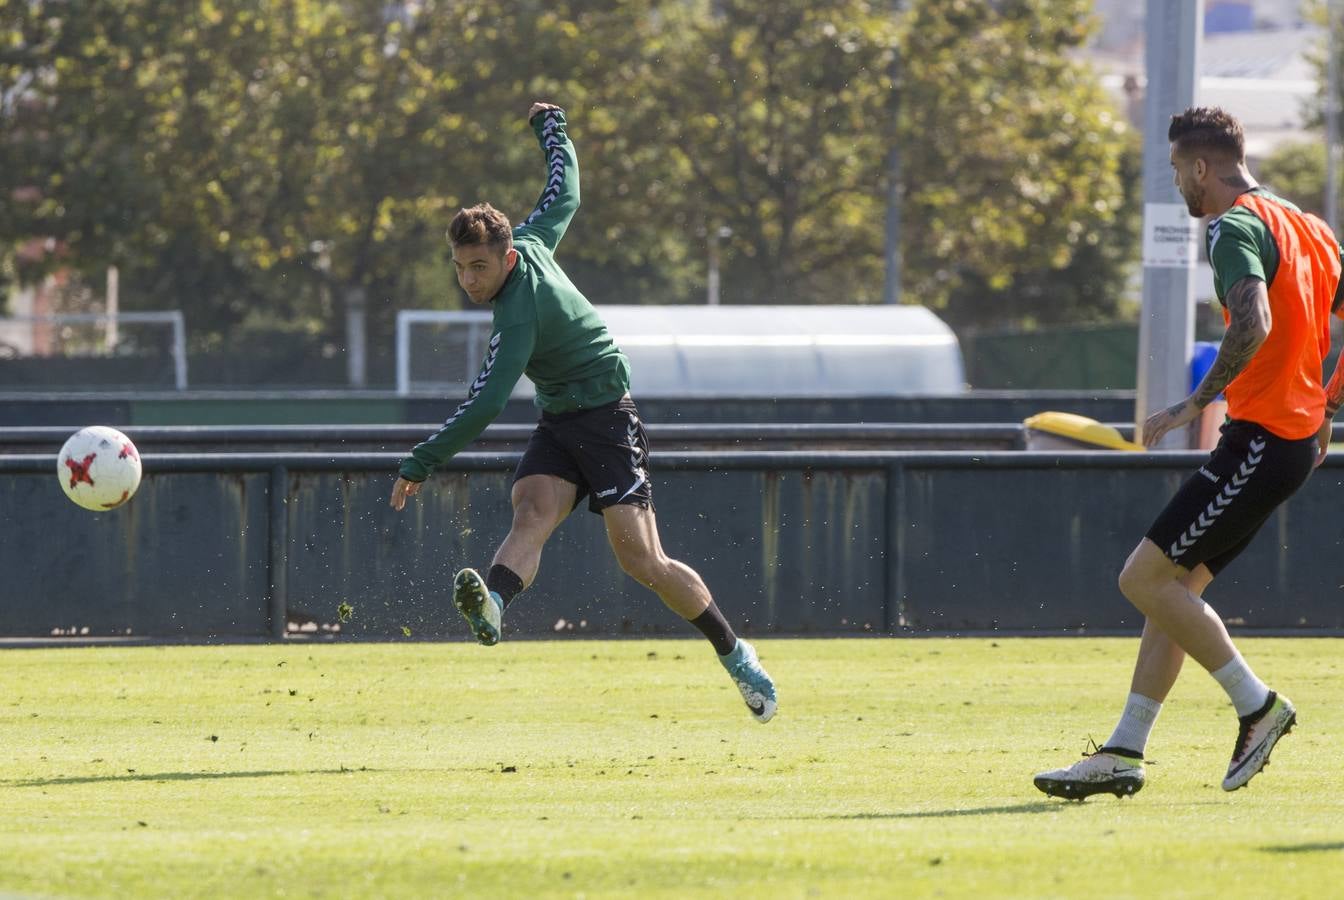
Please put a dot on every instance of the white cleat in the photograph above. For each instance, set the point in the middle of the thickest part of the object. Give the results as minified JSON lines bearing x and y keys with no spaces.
{"x":1257,"y":736}
{"x":1107,"y":770}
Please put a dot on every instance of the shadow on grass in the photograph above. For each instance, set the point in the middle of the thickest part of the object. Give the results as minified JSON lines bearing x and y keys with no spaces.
{"x":1319,"y":847}
{"x":172,"y":776}
{"x":1041,"y":806}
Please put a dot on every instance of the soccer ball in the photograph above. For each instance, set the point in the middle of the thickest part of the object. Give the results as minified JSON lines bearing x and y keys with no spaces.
{"x":99,"y":468}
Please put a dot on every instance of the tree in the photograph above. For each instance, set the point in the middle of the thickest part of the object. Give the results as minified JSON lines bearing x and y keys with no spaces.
{"x":1019,"y":176}
{"x":1015,"y":191}
{"x":763,"y":119}
{"x":1296,"y":171}
{"x":215,"y":150}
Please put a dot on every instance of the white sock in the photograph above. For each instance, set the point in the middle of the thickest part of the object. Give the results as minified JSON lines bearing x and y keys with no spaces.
{"x":1135,"y":724}
{"x":1247,"y":692}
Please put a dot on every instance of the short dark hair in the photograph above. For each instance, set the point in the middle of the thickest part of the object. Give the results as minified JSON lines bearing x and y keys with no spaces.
{"x":481,"y":224}
{"x":1208,"y":129}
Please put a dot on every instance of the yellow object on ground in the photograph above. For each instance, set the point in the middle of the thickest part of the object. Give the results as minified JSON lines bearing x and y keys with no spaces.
{"x":1066,"y":431}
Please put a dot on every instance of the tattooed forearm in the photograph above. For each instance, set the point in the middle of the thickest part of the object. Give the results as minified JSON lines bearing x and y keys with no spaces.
{"x":1248,"y":306}
{"x":1334,"y":391}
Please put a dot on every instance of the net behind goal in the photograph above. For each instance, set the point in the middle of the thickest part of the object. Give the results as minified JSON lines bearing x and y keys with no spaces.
{"x":93,"y":351}
{"x":441,"y":351}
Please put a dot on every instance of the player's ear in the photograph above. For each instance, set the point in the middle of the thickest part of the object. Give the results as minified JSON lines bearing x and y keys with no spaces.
{"x":510,"y":259}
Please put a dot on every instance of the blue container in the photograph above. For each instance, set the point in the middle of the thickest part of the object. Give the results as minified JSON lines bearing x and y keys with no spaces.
{"x":1229,"y":17}
{"x":1201,"y":360}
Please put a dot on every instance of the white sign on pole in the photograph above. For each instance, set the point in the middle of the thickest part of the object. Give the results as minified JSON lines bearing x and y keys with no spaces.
{"x":1170,"y":236}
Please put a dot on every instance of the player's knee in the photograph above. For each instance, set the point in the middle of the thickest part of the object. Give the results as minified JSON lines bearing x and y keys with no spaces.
{"x":1135,"y":582}
{"x":1126,"y":582}
{"x":643,"y":566}
{"x":529,"y":515}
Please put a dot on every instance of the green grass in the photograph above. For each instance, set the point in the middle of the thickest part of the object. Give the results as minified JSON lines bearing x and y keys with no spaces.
{"x":602,"y":769}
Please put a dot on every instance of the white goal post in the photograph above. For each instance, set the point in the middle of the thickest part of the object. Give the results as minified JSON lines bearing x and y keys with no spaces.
{"x":475,"y":324}
{"x":172,"y":318}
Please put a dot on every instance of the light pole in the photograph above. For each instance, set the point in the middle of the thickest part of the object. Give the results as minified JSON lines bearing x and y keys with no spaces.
{"x":1170,"y":235}
{"x":354,"y":302}
{"x":891,"y":287}
{"x":1331,"y":116}
{"x":712,"y":279}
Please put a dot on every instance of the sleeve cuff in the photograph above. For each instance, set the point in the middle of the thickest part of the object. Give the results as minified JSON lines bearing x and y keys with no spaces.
{"x":538,"y":121}
{"x":413,"y":470}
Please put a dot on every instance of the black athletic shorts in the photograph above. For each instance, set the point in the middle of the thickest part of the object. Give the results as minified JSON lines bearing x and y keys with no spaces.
{"x":603,"y":450}
{"x":1219,"y":509}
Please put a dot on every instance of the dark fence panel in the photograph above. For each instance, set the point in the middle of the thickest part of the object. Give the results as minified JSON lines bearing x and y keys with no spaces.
{"x":186,"y":557}
{"x":761,"y":541}
{"x":1024,"y":542}
{"x":788,"y":543}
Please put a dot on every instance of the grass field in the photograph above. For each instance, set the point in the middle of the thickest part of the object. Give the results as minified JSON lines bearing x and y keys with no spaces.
{"x":895,"y":768}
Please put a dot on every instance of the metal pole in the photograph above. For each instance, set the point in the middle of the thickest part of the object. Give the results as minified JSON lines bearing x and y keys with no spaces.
{"x":277,"y":605}
{"x":179,"y":349}
{"x":891,"y":288}
{"x":403,"y":353}
{"x":712,"y":277}
{"x":356,"y":368}
{"x":1170,"y":234}
{"x":1332,"y":100}
{"x":111,"y":337}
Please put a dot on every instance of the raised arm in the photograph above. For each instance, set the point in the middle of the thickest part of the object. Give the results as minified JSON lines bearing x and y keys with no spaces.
{"x":560,"y":198}
{"x":1247,"y":328}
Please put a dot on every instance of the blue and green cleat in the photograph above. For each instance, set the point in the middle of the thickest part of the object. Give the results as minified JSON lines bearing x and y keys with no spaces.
{"x":755,"y":686}
{"x":480,"y":607}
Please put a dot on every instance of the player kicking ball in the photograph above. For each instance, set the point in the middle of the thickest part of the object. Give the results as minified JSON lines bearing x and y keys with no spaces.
{"x":589,"y":441}
{"x":1277,"y":272}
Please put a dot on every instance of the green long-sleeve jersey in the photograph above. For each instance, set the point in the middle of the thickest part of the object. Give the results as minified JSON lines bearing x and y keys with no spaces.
{"x":543,"y":326}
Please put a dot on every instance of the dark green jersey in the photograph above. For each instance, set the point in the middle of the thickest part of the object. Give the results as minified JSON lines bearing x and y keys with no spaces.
{"x":1239,"y":244}
{"x":543,"y":327}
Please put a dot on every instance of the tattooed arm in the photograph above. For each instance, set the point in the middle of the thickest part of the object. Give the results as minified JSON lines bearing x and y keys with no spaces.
{"x":1334,"y":392}
{"x":1248,"y":305}
{"x":1248,"y":327}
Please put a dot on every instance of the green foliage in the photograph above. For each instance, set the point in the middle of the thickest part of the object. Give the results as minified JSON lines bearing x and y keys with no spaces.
{"x":770,"y":117}
{"x":1017,"y":167}
{"x":1296,"y":172}
{"x":206,"y":148}
{"x":1317,"y":12}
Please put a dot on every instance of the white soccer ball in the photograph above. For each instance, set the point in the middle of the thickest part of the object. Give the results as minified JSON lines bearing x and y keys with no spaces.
{"x":99,"y":468}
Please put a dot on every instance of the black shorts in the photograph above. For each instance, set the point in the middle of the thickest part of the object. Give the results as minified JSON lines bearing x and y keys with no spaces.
{"x":1219,"y":509}
{"x":603,"y":450}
